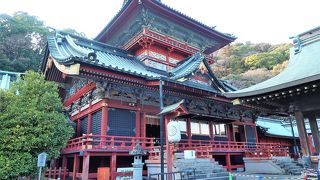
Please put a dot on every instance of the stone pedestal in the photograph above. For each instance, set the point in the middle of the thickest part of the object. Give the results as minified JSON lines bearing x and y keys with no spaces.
{"x":154,"y":167}
{"x":137,"y":170}
{"x":137,"y":164}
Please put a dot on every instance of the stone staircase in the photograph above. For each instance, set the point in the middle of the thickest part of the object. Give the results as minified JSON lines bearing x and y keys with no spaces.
{"x":203,"y":168}
{"x":289,"y":165}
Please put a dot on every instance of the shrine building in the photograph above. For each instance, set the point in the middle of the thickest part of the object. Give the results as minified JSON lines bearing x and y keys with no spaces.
{"x":110,"y":89}
{"x":294,"y":92}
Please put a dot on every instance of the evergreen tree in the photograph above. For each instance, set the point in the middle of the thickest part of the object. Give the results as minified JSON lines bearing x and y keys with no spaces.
{"x":31,"y":122}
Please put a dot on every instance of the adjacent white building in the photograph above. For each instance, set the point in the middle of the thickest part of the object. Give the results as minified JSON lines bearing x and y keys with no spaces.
{"x":6,"y":78}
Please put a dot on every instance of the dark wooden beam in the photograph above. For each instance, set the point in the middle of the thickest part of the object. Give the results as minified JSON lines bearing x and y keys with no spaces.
{"x":315,"y":131}
{"x":302,"y":133}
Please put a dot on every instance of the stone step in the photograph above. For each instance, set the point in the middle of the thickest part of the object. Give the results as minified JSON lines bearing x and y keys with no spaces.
{"x":216,"y":178}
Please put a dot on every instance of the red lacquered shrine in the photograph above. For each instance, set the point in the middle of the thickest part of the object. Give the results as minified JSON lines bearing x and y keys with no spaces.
{"x":110,"y":88}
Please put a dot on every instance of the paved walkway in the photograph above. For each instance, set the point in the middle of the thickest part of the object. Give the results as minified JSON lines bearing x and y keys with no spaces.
{"x":245,"y":176}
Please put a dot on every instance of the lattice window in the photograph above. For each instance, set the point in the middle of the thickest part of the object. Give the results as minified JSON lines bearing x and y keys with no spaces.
{"x":121,"y":122}
{"x":219,"y":129}
{"x":84,"y":125}
{"x":96,"y":123}
{"x":183,"y":126}
{"x":200,"y":128}
{"x":250,"y":133}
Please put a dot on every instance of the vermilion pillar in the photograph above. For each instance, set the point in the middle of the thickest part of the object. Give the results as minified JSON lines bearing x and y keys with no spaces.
{"x":85,"y":166}
{"x":143,"y":125}
{"x":75,"y":166}
{"x":138,"y":124}
{"x":104,"y":123}
{"x":64,"y":167}
{"x":228,"y":162}
{"x":104,"y":119}
{"x":89,"y":123}
{"x":79,"y":128}
{"x":113,"y":166}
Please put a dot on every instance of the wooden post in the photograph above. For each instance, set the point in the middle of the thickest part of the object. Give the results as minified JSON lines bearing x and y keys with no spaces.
{"x":113,"y":166}
{"x":75,"y":166}
{"x":315,"y":131}
{"x":255,"y":127}
{"x":302,"y":133}
{"x":143,"y":125}
{"x":89,"y":123}
{"x":79,"y":128}
{"x":138,"y":124}
{"x":104,"y":119}
{"x":104,"y":123}
{"x":64,"y":166}
{"x":234,"y":133}
{"x":211,"y":130}
{"x":228,"y":162}
{"x":189,"y":132}
{"x":85,"y":166}
{"x":228,"y":132}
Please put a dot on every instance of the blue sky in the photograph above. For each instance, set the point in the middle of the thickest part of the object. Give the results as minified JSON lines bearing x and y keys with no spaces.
{"x":272,"y":21}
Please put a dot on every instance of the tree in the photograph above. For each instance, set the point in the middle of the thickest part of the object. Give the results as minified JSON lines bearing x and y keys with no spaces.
{"x":74,"y":32}
{"x":22,"y":41}
{"x":279,"y":67}
{"x":31,"y":122}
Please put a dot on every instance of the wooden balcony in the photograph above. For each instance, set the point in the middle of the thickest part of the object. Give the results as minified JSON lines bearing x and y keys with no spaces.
{"x":203,"y":148}
{"x":106,"y":143}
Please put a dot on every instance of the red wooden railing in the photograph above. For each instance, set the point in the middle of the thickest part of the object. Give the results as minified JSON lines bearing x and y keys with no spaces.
{"x":202,"y":147}
{"x":208,"y":148}
{"x":90,"y":141}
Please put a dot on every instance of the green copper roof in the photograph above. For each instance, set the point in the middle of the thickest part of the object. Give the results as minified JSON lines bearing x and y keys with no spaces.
{"x":187,"y":67}
{"x":275,"y":127}
{"x":68,"y":49}
{"x":171,"y":108}
{"x":304,"y":67}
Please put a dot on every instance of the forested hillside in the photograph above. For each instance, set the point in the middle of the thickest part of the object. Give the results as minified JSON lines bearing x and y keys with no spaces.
{"x":23,"y":39}
{"x":245,"y":64}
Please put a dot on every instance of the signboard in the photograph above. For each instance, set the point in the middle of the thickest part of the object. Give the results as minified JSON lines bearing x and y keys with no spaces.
{"x":129,"y":169}
{"x":42,"y":159}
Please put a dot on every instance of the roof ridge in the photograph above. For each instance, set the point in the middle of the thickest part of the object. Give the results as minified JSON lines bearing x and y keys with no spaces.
{"x":90,"y":43}
{"x":193,"y":19}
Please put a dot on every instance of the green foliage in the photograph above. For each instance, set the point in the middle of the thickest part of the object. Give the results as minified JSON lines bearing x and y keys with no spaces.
{"x":269,"y":59}
{"x":246,"y":64}
{"x":31,"y":122}
{"x":74,"y":32}
{"x":22,"y":41}
{"x":279,"y":67}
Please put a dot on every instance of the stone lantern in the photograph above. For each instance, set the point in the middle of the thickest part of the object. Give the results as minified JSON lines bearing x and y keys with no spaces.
{"x":137,"y":164}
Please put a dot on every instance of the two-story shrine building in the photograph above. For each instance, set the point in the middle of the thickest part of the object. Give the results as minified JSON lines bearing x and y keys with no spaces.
{"x":110,"y":89}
